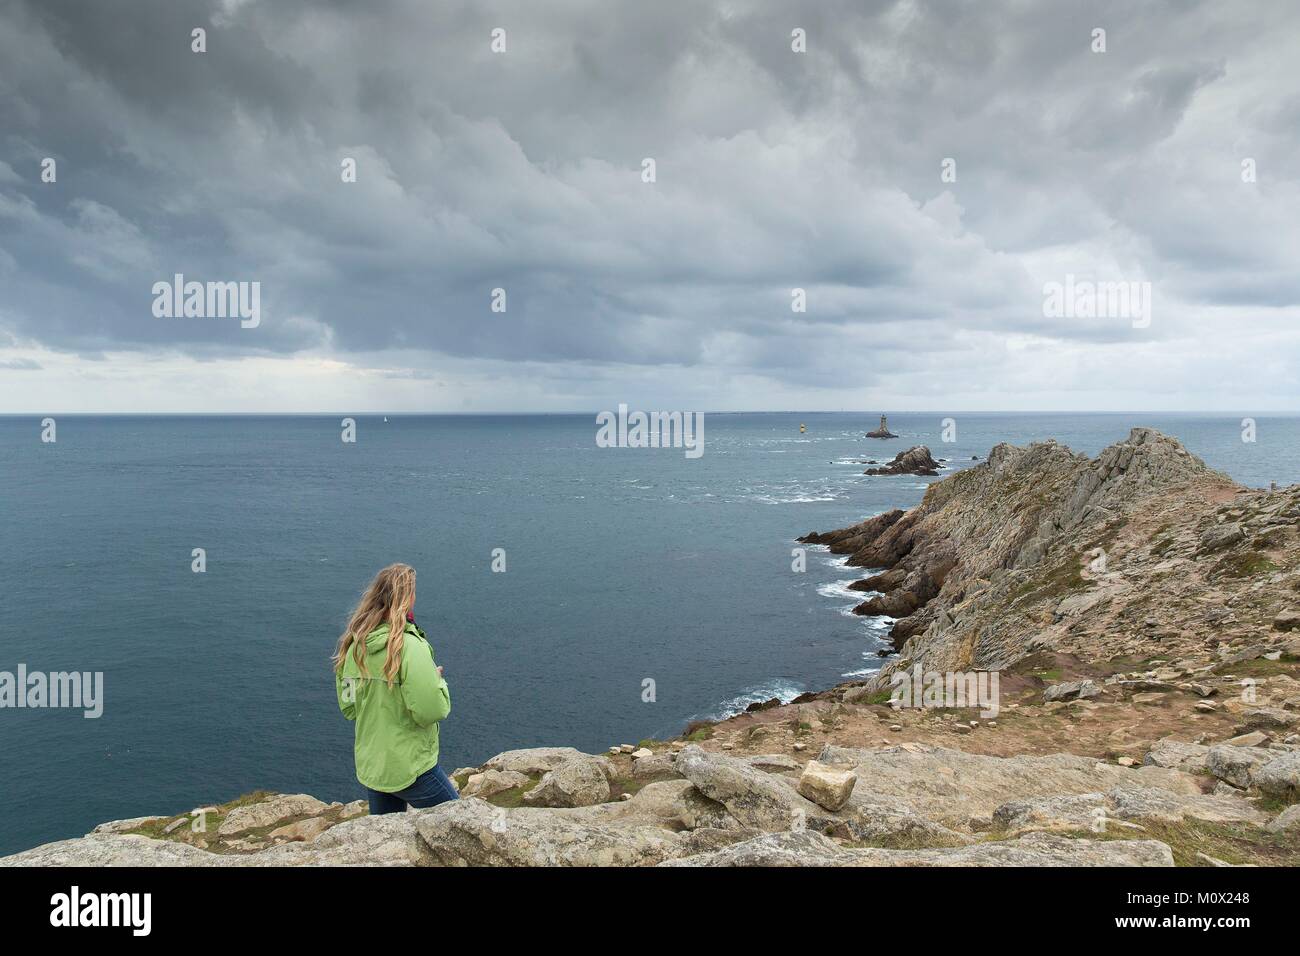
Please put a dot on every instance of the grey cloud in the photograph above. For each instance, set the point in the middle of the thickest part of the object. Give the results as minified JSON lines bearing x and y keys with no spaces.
{"x":521,"y":171}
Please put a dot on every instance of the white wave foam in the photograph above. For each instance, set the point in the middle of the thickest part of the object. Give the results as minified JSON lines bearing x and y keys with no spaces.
{"x":865,"y":672}
{"x":840,"y":589}
{"x":779,"y":687}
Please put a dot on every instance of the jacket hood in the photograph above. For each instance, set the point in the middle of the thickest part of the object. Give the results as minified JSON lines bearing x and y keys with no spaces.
{"x":377,"y":640}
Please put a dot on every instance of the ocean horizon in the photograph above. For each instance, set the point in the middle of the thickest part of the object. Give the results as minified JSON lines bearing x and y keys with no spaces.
{"x":621,"y":566}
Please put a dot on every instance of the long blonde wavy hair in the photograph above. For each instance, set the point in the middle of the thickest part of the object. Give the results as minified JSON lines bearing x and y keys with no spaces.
{"x":390,"y":595}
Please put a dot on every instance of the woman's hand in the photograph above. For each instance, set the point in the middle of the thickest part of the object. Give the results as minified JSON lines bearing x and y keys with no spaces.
{"x":439,"y":670}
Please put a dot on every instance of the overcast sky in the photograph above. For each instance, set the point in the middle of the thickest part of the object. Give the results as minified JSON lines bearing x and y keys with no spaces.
{"x":774,"y":170}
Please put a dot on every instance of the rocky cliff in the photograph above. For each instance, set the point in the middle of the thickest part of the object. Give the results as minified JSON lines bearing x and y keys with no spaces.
{"x":1139,"y":607}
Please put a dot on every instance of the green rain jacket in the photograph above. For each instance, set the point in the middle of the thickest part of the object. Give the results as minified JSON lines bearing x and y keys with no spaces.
{"x":396,"y":727}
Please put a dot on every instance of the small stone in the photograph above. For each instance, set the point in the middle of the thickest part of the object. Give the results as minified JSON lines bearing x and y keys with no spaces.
{"x":826,"y":786}
{"x":1126,"y":761}
{"x":642,"y":753}
{"x":1071,"y":690}
{"x":1206,"y":707}
{"x":174,"y":825}
{"x":799,"y":747}
{"x":896,"y":728}
{"x":1248,"y":740}
{"x":627,"y":748}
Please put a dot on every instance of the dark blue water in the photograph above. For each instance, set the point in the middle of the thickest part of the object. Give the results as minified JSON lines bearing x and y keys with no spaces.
{"x":622,"y":565}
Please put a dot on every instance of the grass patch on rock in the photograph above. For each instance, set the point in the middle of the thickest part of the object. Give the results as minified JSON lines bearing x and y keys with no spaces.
{"x":1244,"y":565}
{"x":1237,"y":843}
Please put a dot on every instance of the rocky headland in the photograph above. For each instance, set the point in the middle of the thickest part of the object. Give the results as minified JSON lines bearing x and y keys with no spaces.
{"x":1140,"y":608}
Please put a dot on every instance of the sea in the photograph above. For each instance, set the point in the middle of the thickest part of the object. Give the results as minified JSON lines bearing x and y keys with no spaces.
{"x":576,"y":595}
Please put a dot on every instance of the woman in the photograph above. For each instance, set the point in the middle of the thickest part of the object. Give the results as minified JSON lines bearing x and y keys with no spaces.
{"x":388,"y":684}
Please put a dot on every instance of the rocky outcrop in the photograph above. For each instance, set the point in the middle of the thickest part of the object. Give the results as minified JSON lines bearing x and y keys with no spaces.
{"x":911,"y":805}
{"x":914,"y":461}
{"x":1023,"y":550}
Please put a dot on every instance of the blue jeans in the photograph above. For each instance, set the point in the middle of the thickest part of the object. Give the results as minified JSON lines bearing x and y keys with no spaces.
{"x":429,"y":789}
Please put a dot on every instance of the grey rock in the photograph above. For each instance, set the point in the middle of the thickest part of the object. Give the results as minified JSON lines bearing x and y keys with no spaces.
{"x":1280,"y":776}
{"x":656,"y":766}
{"x":390,"y":839}
{"x":950,"y":786}
{"x":1234,"y":764}
{"x":1222,"y":536}
{"x":533,"y":760}
{"x":1268,"y":718}
{"x":99,"y":850}
{"x":1143,"y":804}
{"x":772,"y":803}
{"x":1177,"y":755}
{"x":579,"y":783}
{"x":1288,"y":819}
{"x":474,"y":833}
{"x":490,"y":782}
{"x":672,"y":804}
{"x":268,"y":812}
{"x":125,"y":826}
{"x":1080,"y":811}
{"x":1071,"y":690}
